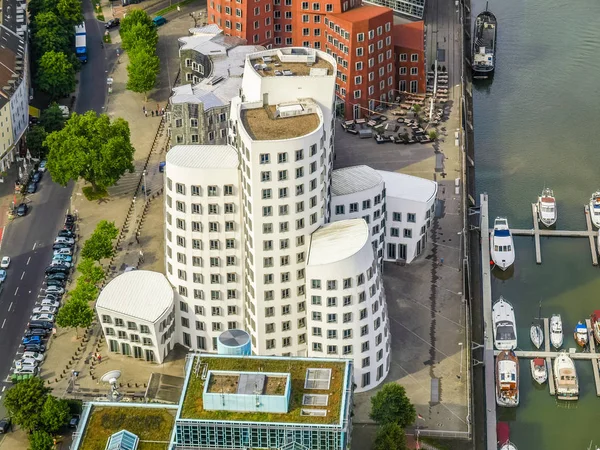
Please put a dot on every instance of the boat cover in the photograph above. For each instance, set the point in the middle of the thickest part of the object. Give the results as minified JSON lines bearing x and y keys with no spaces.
{"x":502,"y":233}
{"x":538,"y":361}
{"x":503,"y":431}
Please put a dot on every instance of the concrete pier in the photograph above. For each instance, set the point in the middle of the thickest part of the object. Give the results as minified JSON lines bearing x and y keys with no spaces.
{"x":592,"y":344}
{"x":549,"y":367}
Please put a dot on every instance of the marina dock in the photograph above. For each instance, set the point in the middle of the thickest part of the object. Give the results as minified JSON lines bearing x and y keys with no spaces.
{"x":536,"y":232}
{"x":549,"y":366}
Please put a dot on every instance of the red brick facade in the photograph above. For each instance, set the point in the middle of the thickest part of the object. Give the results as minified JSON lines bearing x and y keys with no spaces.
{"x":409,"y":56}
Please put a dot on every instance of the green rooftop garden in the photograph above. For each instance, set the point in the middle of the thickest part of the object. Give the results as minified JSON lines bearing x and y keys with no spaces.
{"x":149,"y":424}
{"x":193,"y":404}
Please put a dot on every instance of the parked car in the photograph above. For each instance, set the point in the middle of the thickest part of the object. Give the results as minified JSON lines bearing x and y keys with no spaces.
{"x":37,"y":177}
{"x":55,"y":290}
{"x":64,"y":240}
{"x":42,"y":332}
{"x":40,"y":324}
{"x":60,"y":245}
{"x":31,"y":340}
{"x":74,"y":421}
{"x":26,"y":363}
{"x":66,"y":258}
{"x":5,"y":262}
{"x":5,"y":425}
{"x":113,"y":23}
{"x":22,"y":210}
{"x":58,"y":268}
{"x":26,"y":371}
{"x":70,"y":218}
{"x":2,"y":275}
{"x":43,"y":317}
{"x":31,"y":188}
{"x":61,"y":276}
{"x":63,"y":251}
{"x":58,"y":283}
{"x":34,"y":355}
{"x":44,"y":310}
{"x":42,"y":166}
{"x":158,"y":21}
{"x":66,"y":233}
{"x":55,"y":297}
{"x":70,"y":227}
{"x":60,"y":263}
{"x":35,"y":348}
{"x":48,"y":302}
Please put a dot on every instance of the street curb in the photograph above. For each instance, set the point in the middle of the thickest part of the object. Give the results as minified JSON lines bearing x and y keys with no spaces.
{"x":2,"y":235}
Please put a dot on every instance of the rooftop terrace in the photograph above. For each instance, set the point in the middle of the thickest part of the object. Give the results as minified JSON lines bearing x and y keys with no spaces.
{"x":262,"y":125}
{"x":309,"y":397}
{"x":272,"y":65}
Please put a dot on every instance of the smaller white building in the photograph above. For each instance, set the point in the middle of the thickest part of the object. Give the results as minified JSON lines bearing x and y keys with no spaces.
{"x":137,"y":317}
{"x":410,"y":205}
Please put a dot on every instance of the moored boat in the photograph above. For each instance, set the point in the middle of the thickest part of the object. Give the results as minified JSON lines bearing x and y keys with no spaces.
{"x":537,"y":335}
{"x":507,"y":379}
{"x":502,"y":249}
{"x":556,"y":331}
{"x":508,"y":446}
{"x":595,"y":320}
{"x":484,"y":44}
{"x":539,"y":371}
{"x":565,"y":376}
{"x":581,"y":334}
{"x":595,"y":209}
{"x":546,"y":208}
{"x":505,"y":329}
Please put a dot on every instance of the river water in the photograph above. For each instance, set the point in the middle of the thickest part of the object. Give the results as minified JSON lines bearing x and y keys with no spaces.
{"x":536,"y":125}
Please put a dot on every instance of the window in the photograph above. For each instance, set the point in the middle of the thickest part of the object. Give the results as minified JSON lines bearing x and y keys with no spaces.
{"x":408,"y":233}
{"x":353,"y":207}
{"x":411,"y":217}
{"x":360,"y":37}
{"x":339,"y":209}
{"x":414,"y":57}
{"x":403,"y":57}
{"x":395,"y":232}
{"x":265,"y":158}
{"x":414,"y":70}
{"x":397,"y":217}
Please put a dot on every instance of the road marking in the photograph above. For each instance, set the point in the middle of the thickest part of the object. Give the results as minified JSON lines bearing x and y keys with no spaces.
{"x":11,"y":303}
{"x":28,"y":259}
{"x":3,"y":322}
{"x":16,"y":290}
{"x":3,"y":388}
{"x":35,"y":243}
{"x":22,"y":275}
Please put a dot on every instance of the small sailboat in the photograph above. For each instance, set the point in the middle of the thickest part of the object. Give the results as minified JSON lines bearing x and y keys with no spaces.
{"x":539,"y":371}
{"x":556,"y":331}
{"x":565,"y":376}
{"x":505,"y":329}
{"x":502,"y":249}
{"x":581,"y":334}
{"x":537,"y":335}
{"x":595,"y":209}
{"x":546,"y":208}
{"x":595,"y":320}
{"x":507,"y":379}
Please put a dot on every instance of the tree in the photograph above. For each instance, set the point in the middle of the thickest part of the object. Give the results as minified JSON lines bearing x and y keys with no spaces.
{"x":391,"y":405}
{"x":137,"y":16}
{"x":70,"y":11}
{"x":55,"y":414}
{"x":84,"y":291}
{"x":25,"y":402}
{"x":56,"y":74}
{"x":90,"y":272}
{"x":139,"y":36}
{"x":107,"y":229}
{"x":90,"y":147}
{"x":40,"y":440}
{"x":38,"y":6}
{"x":52,"y":118}
{"x":390,"y":436}
{"x":75,"y":314}
{"x":142,"y":71}
{"x":50,"y":34}
{"x":35,"y":141}
{"x":99,"y":244}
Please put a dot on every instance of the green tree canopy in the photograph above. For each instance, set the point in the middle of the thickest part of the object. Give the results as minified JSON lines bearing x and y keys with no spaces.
{"x":90,"y":272}
{"x":391,"y":405}
{"x":70,"y":11}
{"x":99,"y":244}
{"x":25,"y":402}
{"x":90,"y":147}
{"x":107,"y":229}
{"x":50,"y":34}
{"x":52,"y":118}
{"x":55,"y":414}
{"x":84,"y":291}
{"x":56,"y":74}
{"x":142,"y":71}
{"x":35,"y":141}
{"x":390,"y":436}
{"x":40,"y":440}
{"x":76,"y":314}
{"x":38,"y":6}
{"x":139,"y":36}
{"x":137,"y":16}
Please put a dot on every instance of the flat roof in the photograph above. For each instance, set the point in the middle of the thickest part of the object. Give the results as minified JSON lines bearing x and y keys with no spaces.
{"x":408,"y":187}
{"x":262,"y":127}
{"x":203,"y":156}
{"x":297,"y":68}
{"x":337,"y":241}
{"x":410,"y":35}
{"x":362,"y":13}
{"x":192,"y":407}
{"x":350,"y":180}
{"x":141,"y":294}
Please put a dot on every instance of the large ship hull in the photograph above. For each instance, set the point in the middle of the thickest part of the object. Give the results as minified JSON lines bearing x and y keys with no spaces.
{"x":484,"y":45}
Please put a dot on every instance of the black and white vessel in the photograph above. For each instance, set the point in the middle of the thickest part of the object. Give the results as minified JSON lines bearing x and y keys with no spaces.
{"x":484,"y":45}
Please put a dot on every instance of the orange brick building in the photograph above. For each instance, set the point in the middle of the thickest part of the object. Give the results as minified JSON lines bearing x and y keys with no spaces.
{"x":409,"y":55}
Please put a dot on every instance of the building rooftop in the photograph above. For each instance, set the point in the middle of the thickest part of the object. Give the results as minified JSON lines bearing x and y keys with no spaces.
{"x":362,"y":13}
{"x":11,"y":61}
{"x":350,"y":180}
{"x":317,"y":385}
{"x":408,"y":187}
{"x":141,"y":294}
{"x":291,"y":61}
{"x":337,"y":241}
{"x":203,"y":156}
{"x":410,"y":35}
{"x":263,"y":125}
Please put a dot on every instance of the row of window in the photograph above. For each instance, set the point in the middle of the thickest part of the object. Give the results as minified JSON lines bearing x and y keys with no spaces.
{"x":125,"y":349}
{"x":121,"y":323}
{"x":198,"y":294}
{"x":132,"y":337}
{"x":404,"y":57}
{"x":413,"y":71}
{"x":212,"y":191}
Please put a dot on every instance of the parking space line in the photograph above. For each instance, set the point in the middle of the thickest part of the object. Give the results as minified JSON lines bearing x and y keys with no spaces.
{"x":28,"y":259}
{"x":3,"y":322}
{"x":3,"y":388}
{"x":16,"y":290}
{"x":10,"y":306}
{"x":22,"y":275}
{"x":34,"y":244}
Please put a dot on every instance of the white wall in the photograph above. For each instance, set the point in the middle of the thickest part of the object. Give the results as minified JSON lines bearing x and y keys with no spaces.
{"x":19,"y":104}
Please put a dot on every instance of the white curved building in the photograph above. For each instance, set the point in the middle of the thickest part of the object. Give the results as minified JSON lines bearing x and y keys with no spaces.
{"x":348,"y":314}
{"x":137,"y":317}
{"x":203,"y":241}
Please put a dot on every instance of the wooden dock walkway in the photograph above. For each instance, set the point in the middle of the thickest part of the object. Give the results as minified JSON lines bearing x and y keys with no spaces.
{"x":536,"y":232}
{"x":592,"y":344}
{"x":549,"y":366}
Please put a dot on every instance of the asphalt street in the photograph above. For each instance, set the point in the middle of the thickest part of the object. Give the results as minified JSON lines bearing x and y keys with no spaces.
{"x":28,"y":240}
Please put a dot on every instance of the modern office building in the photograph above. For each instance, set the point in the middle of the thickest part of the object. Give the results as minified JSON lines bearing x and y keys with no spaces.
{"x":409,"y":54}
{"x":410,"y":8}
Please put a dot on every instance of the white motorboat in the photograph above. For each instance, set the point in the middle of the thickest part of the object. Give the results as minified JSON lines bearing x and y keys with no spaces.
{"x":598,"y":241}
{"x":505,"y":329}
{"x":507,"y":379}
{"x":509,"y":446}
{"x":537,"y":335}
{"x":502,"y":249}
{"x":581,"y":334}
{"x":546,"y":208}
{"x":539,"y":371}
{"x":556,"y":331}
{"x":565,"y":376}
{"x":595,"y":209}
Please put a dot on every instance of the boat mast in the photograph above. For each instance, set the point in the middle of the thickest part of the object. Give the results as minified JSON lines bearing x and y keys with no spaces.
{"x":486,"y":6}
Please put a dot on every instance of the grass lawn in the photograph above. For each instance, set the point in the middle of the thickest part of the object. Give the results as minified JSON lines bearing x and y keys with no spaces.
{"x":149,"y":424}
{"x":89,"y":193}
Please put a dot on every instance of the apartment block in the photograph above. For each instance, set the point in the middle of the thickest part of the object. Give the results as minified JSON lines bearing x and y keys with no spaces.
{"x":409,"y":54}
{"x":411,"y":8}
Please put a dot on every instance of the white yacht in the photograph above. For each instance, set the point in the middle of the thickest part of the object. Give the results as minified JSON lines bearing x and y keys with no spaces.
{"x":556,"y":331}
{"x":595,"y":209}
{"x":509,"y":446}
{"x":507,"y":379}
{"x":505,"y":329}
{"x":565,"y":376}
{"x":539,"y":371}
{"x":537,"y":335}
{"x":502,"y":249}
{"x":546,"y":208}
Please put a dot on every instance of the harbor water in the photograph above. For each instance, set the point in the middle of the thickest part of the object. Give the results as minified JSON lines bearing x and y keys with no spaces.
{"x":535,"y":126}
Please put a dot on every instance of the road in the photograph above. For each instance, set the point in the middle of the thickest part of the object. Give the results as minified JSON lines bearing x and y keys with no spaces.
{"x":28,"y":240}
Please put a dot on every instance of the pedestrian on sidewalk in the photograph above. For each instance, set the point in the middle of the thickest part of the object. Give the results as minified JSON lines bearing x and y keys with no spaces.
{"x":145,"y":113}
{"x":152,"y":113}
{"x":99,"y":358}
{"x":144,"y":108}
{"x":157,"y":112}
{"x":162,"y":111}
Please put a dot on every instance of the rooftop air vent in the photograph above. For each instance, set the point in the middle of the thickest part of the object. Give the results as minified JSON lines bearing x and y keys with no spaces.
{"x":317,"y":379}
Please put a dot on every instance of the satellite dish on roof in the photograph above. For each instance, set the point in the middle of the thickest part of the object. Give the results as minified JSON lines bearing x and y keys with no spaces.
{"x":111,"y":377}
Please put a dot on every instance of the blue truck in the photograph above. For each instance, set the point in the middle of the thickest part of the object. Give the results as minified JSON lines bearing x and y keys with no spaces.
{"x":81,"y":42}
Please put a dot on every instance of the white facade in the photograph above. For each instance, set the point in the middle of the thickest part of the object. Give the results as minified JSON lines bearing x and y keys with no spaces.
{"x":19,"y":103}
{"x":347,"y":311}
{"x":137,"y":317}
{"x":203,"y":241}
{"x":410,"y":204}
{"x":359,"y":192}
